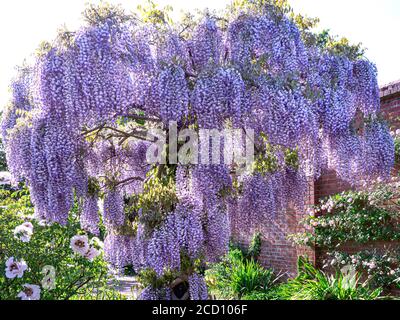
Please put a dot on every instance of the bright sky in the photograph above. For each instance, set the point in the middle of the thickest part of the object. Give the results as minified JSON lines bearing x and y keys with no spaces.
{"x":25,"y":23}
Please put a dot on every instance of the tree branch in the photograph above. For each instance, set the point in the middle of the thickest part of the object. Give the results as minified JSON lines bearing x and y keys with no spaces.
{"x":122,"y":182}
{"x":133,"y":134}
{"x":94,"y":129}
{"x":137,"y":117}
{"x":125,"y":181}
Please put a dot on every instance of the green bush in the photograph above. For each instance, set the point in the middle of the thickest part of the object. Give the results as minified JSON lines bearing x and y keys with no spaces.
{"x":257,"y":295}
{"x":235,"y":277}
{"x":76,"y":277}
{"x":313,"y":284}
{"x":255,"y":246}
{"x":249,"y":276}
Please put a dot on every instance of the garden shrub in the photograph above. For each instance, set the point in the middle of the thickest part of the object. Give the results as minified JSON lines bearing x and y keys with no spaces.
{"x":382,"y":269}
{"x":353,"y":216}
{"x":237,"y":277}
{"x":313,"y":284}
{"x":39,"y":248}
{"x":257,"y":295}
{"x":357,"y":217}
{"x":396,"y":138}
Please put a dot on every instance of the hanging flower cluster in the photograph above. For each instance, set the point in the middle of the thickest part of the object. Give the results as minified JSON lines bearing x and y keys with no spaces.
{"x":118,"y":250}
{"x":218,"y":95}
{"x":90,"y":218}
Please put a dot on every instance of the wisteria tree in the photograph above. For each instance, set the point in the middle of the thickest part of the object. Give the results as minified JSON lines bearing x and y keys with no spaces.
{"x":78,"y":129}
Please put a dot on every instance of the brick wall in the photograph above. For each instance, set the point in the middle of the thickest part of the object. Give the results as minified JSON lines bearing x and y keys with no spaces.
{"x":390,"y":102}
{"x":277,"y":252}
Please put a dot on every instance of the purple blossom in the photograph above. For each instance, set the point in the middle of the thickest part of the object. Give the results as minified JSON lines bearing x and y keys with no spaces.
{"x":90,"y":218}
{"x":205,"y":47}
{"x":256,"y":72}
{"x":113,"y":209}
{"x":119,"y":250}
{"x":197,"y":287}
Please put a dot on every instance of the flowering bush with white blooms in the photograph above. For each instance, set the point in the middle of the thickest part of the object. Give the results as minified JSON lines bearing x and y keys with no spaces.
{"x":358,"y":217}
{"x":15,"y":268}
{"x":46,"y":266}
{"x":24,"y":232}
{"x":80,"y":244}
{"x":30,"y":292}
{"x":382,"y":269}
{"x":396,"y":137}
{"x":353,"y":216}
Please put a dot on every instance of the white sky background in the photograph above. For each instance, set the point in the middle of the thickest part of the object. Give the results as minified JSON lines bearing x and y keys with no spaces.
{"x":25,"y":23}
